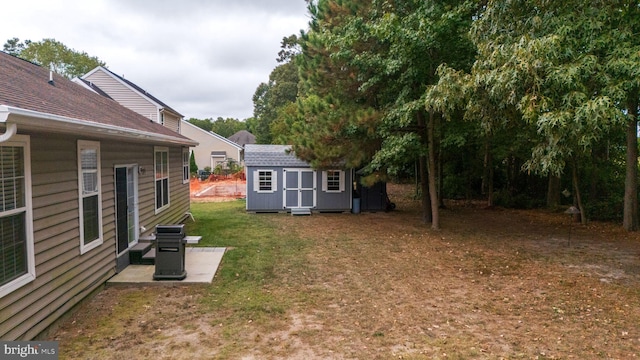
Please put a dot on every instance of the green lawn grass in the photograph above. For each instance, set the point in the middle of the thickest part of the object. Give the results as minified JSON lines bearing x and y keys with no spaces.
{"x":248,"y":284}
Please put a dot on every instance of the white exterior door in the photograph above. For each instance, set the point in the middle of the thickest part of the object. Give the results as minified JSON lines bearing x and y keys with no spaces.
{"x":299,"y":188}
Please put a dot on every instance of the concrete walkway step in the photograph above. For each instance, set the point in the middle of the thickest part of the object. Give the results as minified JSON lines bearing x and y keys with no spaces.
{"x":300,"y":211}
{"x":137,"y":252}
{"x":149,"y":258}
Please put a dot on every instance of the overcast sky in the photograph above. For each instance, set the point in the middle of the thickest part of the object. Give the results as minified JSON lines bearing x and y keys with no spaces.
{"x":204,"y":58}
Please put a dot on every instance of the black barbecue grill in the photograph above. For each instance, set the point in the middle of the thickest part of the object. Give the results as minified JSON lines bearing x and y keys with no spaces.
{"x":170,"y":252}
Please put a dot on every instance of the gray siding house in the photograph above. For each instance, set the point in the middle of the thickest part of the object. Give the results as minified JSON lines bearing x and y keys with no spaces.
{"x":277,"y":181}
{"x":81,"y":178}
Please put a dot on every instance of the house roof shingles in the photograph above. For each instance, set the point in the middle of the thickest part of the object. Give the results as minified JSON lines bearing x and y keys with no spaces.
{"x":243,"y":137}
{"x":271,"y":156}
{"x":26,"y":86}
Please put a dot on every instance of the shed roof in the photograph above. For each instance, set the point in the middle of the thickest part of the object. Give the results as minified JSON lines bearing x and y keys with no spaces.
{"x":271,"y":156}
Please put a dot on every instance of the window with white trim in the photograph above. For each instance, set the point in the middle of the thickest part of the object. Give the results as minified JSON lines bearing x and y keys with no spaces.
{"x":161,"y":171}
{"x":265,"y":181}
{"x":17,"y":265}
{"x":185,"y":165}
{"x":333,"y":181}
{"x":90,"y":195}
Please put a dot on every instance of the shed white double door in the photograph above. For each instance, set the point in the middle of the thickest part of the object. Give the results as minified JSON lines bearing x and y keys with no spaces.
{"x":299,"y":188}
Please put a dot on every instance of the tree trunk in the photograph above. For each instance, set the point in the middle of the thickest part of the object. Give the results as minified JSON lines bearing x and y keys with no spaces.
{"x":487,"y":178}
{"x":424,"y":190}
{"x":433,"y":190}
{"x":630,"y":215}
{"x":424,"y":178}
{"x":553,"y":191}
{"x":490,"y":189}
{"x":576,"y":190}
{"x":439,"y":160}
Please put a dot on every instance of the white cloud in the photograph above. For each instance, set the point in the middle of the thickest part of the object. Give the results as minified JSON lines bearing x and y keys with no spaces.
{"x":204,"y":58}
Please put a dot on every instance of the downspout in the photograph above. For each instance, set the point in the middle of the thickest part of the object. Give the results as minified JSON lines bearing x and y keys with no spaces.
{"x":11,"y":129}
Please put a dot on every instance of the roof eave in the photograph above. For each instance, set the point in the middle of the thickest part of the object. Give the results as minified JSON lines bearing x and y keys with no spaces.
{"x":170,"y":111}
{"x":145,"y":94}
{"x":213,"y":134}
{"x":62,"y":124}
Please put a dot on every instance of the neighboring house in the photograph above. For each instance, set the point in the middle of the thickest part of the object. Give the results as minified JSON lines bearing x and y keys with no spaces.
{"x":278,"y":181}
{"x":81,"y":177}
{"x":242,"y":138}
{"x":130,"y":95}
{"x":213,"y":149}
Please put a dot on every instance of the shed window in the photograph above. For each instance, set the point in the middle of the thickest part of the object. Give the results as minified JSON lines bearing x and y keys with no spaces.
{"x":161,"y":171}
{"x":333,"y":181}
{"x":90,"y":195}
{"x":17,"y":261}
{"x":265,"y":181}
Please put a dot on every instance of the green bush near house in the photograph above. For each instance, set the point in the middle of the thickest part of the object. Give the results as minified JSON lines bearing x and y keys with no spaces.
{"x":193,"y":167}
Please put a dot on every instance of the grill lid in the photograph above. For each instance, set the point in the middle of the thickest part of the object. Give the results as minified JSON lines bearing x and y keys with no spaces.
{"x":170,"y":229}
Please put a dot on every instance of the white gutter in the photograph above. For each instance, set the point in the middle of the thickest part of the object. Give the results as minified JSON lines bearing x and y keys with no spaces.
{"x":56,"y":123}
{"x":12,"y":129}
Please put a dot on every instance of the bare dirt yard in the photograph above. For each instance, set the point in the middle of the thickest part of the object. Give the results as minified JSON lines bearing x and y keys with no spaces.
{"x":492,"y":284}
{"x":226,"y":189}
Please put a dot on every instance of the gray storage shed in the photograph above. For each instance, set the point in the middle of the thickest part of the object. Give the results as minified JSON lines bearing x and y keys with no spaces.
{"x":278,"y":181}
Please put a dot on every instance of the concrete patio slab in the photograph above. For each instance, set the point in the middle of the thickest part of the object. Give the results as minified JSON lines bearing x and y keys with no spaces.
{"x":201,"y":264}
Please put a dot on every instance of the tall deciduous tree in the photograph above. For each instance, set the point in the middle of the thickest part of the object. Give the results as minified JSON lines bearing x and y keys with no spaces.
{"x":622,"y":65}
{"x":271,"y":99}
{"x":53,"y":54}
{"x":221,"y":126}
{"x":424,"y":35}
{"x":227,"y":127}
{"x":553,"y":66}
